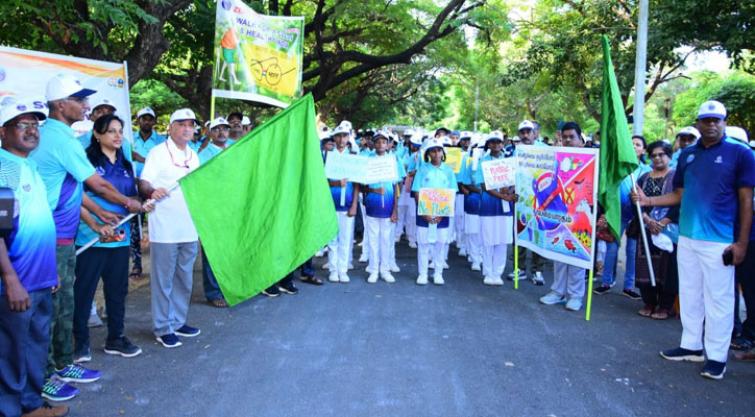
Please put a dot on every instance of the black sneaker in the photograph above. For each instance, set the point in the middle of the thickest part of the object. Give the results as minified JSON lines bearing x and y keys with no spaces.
{"x":169,"y":340}
{"x":632,"y":294}
{"x":714,"y":370}
{"x":187,"y":331}
{"x":680,"y":354}
{"x":272,"y":291}
{"x":739,"y":343}
{"x":122,"y":346}
{"x":601,"y":289}
{"x":289,"y":288}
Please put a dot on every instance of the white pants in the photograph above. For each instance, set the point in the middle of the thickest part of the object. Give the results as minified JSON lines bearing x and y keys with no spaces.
{"x":431,"y":250}
{"x":474,"y":240}
{"x":706,"y":297}
{"x":494,"y":260}
{"x":569,"y":280}
{"x":380,"y":241}
{"x":339,"y":248}
{"x":411,"y":221}
{"x":365,"y":235}
{"x":459,"y":222}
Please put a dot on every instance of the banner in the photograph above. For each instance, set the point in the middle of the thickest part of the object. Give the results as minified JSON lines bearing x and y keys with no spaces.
{"x":453,"y":158}
{"x":438,"y":202}
{"x":360,"y":169}
{"x":499,"y":173}
{"x":257,"y":57}
{"x":24,"y":74}
{"x":557,"y":190}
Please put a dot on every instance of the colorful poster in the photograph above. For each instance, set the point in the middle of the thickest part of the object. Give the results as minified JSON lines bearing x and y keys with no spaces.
{"x":499,"y":173}
{"x":361,"y":169}
{"x":556,"y":211}
{"x":453,"y":158}
{"x":257,"y":57}
{"x":437,"y":202}
{"x":24,"y":74}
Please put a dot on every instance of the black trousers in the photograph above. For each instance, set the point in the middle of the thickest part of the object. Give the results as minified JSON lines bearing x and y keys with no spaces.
{"x":111,"y":264}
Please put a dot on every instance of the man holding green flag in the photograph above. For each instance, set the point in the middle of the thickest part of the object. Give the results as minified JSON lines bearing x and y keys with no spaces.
{"x":617,"y":155}
{"x":275,"y":214}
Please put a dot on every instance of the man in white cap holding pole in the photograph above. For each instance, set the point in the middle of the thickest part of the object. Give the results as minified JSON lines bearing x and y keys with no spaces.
{"x":713,"y":182}
{"x":172,"y":235}
{"x":64,"y":168}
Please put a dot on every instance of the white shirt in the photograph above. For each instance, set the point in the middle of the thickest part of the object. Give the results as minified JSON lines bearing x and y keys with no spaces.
{"x":170,"y":222}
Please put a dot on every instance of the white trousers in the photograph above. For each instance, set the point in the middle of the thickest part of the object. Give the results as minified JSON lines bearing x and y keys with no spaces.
{"x":459,"y":222}
{"x":380,"y":232}
{"x":339,"y":248}
{"x":427,"y":251}
{"x":474,"y":239}
{"x":365,"y":235}
{"x":494,"y":260}
{"x":706,"y":297}
{"x":569,"y":280}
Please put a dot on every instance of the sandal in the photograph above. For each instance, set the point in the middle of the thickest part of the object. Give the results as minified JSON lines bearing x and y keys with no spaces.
{"x":311,"y":280}
{"x":661,"y":314}
{"x":646,"y":311}
{"x":219,"y":303}
{"x":135,"y":275}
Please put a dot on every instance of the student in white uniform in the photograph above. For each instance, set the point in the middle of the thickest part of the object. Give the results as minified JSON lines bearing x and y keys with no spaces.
{"x":432,"y":232}
{"x":472,"y":207}
{"x":406,"y":204}
{"x":496,"y":216}
{"x":343,"y":192}
{"x":461,"y":241}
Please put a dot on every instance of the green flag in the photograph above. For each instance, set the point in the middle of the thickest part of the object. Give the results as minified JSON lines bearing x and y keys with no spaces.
{"x":617,"y":156}
{"x":263,"y":207}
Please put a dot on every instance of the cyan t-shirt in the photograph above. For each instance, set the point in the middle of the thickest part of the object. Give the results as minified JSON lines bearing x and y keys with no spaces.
{"x":31,"y":243}
{"x":63,"y":166}
{"x":210,"y":151}
{"x":142,"y":147}
{"x":490,"y":205}
{"x":711,"y":178}
{"x":430,"y":176}
{"x":381,"y":206}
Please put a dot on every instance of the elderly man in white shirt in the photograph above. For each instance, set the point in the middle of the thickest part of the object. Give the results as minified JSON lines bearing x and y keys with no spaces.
{"x":173,"y":237}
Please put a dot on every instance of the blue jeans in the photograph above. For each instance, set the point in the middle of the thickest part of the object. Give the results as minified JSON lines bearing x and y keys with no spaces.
{"x":609,"y":265}
{"x":24,"y":340}
{"x":211,"y":287}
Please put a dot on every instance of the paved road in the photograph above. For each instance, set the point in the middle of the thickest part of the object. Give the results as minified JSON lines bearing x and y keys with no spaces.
{"x":357,"y":349}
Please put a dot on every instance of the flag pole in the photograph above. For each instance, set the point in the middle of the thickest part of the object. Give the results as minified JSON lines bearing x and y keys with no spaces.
{"x":516,"y":253}
{"x":645,"y":244}
{"x":92,"y":242}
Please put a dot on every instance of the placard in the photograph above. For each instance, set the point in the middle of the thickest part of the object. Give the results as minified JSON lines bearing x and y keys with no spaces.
{"x":360,"y":169}
{"x":453,"y":158}
{"x":499,"y":173}
{"x":436,"y":202}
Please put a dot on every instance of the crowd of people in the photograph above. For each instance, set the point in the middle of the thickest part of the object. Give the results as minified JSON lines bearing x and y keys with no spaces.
{"x":80,"y":204}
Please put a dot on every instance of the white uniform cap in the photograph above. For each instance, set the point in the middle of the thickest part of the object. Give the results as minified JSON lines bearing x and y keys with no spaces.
{"x":183,"y":114}
{"x":689,"y":130}
{"x":63,"y":86}
{"x":712,"y":109}
{"x":736,"y":132}
{"x":526,"y":125}
{"x":145,"y":111}
{"x":11,"y":110}
{"x":219,"y":121}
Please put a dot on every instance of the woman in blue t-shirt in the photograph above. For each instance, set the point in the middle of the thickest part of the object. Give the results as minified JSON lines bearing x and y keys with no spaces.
{"x":432,"y":232}
{"x":496,"y":217}
{"x":109,"y":257}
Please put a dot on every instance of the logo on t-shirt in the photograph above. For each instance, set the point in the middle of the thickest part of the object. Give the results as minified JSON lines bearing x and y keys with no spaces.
{"x":26,"y":187}
{"x":690,"y":158}
{"x":719,"y":160}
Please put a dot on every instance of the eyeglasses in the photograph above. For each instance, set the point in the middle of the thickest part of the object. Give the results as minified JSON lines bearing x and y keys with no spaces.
{"x":26,"y":126}
{"x":221,"y":128}
{"x":657,"y":155}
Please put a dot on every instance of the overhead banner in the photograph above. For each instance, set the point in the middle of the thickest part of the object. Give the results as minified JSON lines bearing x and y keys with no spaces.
{"x":556,"y":210}
{"x":24,"y":74}
{"x":257,"y":57}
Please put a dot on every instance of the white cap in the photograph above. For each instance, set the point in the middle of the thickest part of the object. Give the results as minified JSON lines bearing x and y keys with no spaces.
{"x":431,"y":144}
{"x":341,"y":130}
{"x":183,"y":114}
{"x":145,"y":111}
{"x":689,"y":130}
{"x":465,"y":135}
{"x":416,"y":138}
{"x":325,"y":133}
{"x":736,"y":132}
{"x":382,"y":133}
{"x":712,"y":109}
{"x":63,"y":86}
{"x":752,"y":144}
{"x":446,"y":140}
{"x":220,"y":121}
{"x":245,"y":121}
{"x":207,"y":123}
{"x":11,"y":110}
{"x":526,"y":125}
{"x":102,"y":101}
{"x":494,"y":135}
{"x":345,"y":124}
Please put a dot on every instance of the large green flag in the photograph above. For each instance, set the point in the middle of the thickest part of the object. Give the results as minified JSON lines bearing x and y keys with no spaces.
{"x":617,"y":156}
{"x":263,"y":207}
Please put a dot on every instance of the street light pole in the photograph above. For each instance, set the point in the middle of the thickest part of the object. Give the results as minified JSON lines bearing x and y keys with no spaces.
{"x":640,"y":65}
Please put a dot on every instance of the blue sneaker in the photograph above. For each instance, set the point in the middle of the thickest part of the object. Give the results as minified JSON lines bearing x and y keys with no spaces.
{"x":680,"y":354}
{"x":56,"y":390}
{"x":188,"y":331}
{"x":714,"y":369}
{"x":77,"y":373}
{"x":169,"y":340}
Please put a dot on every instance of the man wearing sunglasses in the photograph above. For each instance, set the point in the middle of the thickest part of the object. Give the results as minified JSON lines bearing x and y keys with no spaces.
{"x":172,"y":235}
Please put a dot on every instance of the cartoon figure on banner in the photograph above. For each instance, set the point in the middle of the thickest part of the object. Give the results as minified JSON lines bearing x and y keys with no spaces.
{"x":229,"y":44}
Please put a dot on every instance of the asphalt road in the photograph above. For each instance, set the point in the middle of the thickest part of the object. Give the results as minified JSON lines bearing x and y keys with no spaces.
{"x":358,"y":349}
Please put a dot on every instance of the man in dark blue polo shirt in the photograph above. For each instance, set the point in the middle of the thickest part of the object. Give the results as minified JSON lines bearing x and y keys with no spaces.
{"x":713,"y":182}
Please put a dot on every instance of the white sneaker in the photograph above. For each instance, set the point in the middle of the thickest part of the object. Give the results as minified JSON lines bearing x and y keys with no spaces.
{"x":343,"y":278}
{"x":496,"y":281}
{"x":333,"y":277}
{"x":445,"y":265}
{"x":388,"y":277}
{"x":476,"y":266}
{"x":438,"y":280}
{"x":326,"y":266}
{"x":422,"y":280}
{"x":522,"y":275}
{"x":395,"y":268}
{"x":413,"y":245}
{"x":372,"y":278}
{"x":538,"y":279}
{"x":487,"y":281}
